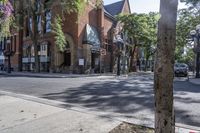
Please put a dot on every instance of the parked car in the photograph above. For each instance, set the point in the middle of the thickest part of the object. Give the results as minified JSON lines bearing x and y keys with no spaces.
{"x":181,"y":69}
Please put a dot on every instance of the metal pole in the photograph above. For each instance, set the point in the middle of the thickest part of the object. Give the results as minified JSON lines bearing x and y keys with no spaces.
{"x":124,"y":59}
{"x":119,"y":60}
{"x":9,"y":65}
{"x":100,"y":65}
{"x":118,"y":65}
{"x":197,"y":58}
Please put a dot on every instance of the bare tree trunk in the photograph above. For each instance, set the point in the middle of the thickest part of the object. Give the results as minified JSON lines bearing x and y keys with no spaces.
{"x":37,"y":60}
{"x":132,"y":58}
{"x":146,"y":62}
{"x":34,"y":34}
{"x":163,"y":80}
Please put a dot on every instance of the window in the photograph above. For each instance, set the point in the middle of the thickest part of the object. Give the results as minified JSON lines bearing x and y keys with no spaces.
{"x":29,"y":24}
{"x":39,"y":24}
{"x":32,"y":51}
{"x":38,"y":5}
{"x":27,"y":28}
{"x":25,"y":54}
{"x":47,"y":27}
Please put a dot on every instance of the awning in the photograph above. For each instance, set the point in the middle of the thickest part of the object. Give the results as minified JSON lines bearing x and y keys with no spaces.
{"x":91,"y":36}
{"x":118,"y":39}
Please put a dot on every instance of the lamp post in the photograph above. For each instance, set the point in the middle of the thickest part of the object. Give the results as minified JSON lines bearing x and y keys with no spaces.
{"x":8,"y":49}
{"x":196,"y":35}
{"x":119,"y":42}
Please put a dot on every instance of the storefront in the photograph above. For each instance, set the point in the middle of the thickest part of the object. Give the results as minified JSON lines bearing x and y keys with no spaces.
{"x":92,"y":47}
{"x":28,"y":59}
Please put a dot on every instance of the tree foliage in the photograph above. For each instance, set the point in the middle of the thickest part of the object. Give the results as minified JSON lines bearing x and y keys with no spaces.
{"x":135,"y":25}
{"x":187,"y":21}
{"x":142,"y":28}
{"x":188,"y":18}
{"x":192,"y":4}
{"x":59,"y":35}
{"x":6,"y":17}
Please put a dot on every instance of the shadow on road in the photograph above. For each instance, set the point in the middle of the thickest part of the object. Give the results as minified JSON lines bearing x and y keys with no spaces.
{"x":118,"y":96}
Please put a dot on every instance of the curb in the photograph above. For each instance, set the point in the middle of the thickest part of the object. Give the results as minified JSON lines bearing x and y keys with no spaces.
{"x":52,"y":76}
{"x":190,"y":80}
{"x":179,"y":125}
{"x":62,"y":76}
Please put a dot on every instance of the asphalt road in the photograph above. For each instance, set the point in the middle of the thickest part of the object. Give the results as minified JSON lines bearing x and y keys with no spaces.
{"x":129,"y":98}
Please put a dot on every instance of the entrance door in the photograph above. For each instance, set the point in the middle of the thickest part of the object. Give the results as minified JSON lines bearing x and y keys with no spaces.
{"x":95,"y":62}
{"x":67,"y":59}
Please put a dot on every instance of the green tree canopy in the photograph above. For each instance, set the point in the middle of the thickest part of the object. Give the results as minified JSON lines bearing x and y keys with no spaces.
{"x":187,"y":21}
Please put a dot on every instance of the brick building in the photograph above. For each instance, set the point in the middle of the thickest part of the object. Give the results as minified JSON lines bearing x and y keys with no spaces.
{"x":87,"y":35}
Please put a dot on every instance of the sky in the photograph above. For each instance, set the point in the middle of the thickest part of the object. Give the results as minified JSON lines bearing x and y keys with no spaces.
{"x":143,"y":6}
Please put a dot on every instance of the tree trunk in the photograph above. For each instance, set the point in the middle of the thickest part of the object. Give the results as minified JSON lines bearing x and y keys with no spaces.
{"x":132,"y":58}
{"x":37,"y":59}
{"x":20,"y":49}
{"x":21,"y":33}
{"x":146,"y":62}
{"x":164,"y":75}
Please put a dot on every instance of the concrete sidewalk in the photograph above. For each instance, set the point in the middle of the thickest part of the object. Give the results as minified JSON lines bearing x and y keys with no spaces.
{"x":53,"y":75}
{"x":22,"y":116}
{"x":19,"y":116}
{"x":195,"y":81}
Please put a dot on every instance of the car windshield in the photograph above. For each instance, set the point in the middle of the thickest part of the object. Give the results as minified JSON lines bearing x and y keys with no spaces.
{"x":180,"y":65}
{"x":176,"y":65}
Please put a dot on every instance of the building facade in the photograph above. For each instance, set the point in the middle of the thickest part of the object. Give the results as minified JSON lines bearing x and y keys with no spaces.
{"x":89,"y":37}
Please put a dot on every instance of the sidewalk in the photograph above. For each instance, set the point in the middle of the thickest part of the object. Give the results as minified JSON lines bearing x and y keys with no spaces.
{"x":195,"y":81}
{"x":19,"y":116}
{"x":53,"y":75}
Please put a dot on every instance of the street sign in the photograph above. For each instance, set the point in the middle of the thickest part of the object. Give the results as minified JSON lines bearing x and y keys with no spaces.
{"x":81,"y":62}
{"x":103,"y":51}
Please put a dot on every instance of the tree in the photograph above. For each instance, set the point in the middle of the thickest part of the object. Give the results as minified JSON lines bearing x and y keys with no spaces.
{"x":142,"y":28}
{"x":135,"y":25}
{"x":164,"y":65}
{"x":187,"y":21}
{"x":6,"y":18}
{"x":151,"y":40}
{"x":193,"y":4}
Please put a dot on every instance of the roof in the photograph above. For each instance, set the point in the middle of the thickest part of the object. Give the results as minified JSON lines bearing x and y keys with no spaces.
{"x":114,"y":8}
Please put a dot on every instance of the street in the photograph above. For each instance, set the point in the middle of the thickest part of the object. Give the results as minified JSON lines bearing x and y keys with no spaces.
{"x":129,"y":98}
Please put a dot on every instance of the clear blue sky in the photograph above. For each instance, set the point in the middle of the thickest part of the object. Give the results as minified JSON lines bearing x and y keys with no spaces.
{"x":143,"y":6}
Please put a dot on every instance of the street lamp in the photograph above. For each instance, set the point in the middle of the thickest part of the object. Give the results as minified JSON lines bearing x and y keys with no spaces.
{"x":196,"y":35}
{"x":119,"y":42}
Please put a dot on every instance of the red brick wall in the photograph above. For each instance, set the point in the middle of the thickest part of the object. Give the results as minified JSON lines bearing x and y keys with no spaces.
{"x":89,"y":16}
{"x":126,"y":8}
